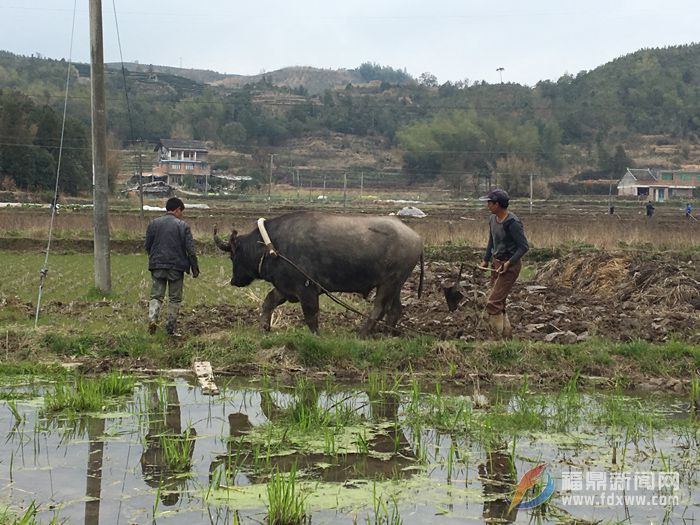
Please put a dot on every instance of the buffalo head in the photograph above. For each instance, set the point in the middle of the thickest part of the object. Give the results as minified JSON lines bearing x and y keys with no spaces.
{"x":241,"y":275}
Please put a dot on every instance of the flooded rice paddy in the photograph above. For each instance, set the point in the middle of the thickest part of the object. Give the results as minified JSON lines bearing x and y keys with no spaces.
{"x":124,"y":450}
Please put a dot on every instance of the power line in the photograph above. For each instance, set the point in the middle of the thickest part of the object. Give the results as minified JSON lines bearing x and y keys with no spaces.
{"x":54,"y":209}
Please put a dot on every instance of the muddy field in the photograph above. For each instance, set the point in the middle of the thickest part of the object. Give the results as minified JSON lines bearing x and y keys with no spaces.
{"x":589,"y":274}
{"x":613,"y":296}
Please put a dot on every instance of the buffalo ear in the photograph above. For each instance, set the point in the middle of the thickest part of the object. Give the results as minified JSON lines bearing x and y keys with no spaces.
{"x":232,"y":239}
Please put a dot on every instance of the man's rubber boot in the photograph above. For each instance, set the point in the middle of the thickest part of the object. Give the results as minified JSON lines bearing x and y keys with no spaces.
{"x":153,"y":313}
{"x":507,"y":328}
{"x":496,"y":324}
{"x":171,"y":323}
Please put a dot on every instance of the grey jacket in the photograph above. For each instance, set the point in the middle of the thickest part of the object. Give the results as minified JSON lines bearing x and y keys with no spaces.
{"x":507,"y":241}
{"x":170,"y":245}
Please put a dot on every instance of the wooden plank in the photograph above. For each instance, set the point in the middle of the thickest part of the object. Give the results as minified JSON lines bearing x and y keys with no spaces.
{"x":205,"y":376}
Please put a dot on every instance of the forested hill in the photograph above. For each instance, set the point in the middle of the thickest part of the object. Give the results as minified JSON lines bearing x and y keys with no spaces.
{"x":650,"y":91}
{"x":311,"y":80}
{"x":600,"y":120}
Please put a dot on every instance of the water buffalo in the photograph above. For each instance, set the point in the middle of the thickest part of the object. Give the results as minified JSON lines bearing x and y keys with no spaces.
{"x":341,"y":253}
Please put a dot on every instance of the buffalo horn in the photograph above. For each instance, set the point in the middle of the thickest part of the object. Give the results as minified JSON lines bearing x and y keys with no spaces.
{"x":221,"y":244}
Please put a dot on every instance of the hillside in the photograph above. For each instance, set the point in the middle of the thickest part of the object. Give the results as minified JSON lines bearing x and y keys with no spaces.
{"x":313,"y":80}
{"x":643,"y":109}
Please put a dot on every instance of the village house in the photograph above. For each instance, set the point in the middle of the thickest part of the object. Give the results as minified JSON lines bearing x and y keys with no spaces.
{"x":658,"y":185}
{"x":178,"y":159}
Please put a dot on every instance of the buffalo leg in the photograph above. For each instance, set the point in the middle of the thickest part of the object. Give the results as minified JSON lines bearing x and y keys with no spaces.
{"x":381,"y":303}
{"x":394,"y":313}
{"x":272,"y":301}
{"x":309,"y":305}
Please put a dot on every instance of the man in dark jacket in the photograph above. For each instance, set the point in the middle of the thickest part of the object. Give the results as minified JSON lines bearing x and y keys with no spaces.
{"x":650,"y":209}
{"x":507,"y":244}
{"x":171,"y":254}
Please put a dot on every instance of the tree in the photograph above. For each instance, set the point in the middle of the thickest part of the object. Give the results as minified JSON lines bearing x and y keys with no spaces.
{"x":428,"y":80}
{"x":620,"y":161}
{"x":455,"y":143}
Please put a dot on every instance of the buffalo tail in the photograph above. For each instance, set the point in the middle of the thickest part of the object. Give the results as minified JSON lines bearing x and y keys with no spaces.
{"x":420,"y":282}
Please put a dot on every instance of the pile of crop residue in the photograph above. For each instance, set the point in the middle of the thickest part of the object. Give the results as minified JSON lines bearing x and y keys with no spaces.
{"x":655,"y":282}
{"x":614,"y":296}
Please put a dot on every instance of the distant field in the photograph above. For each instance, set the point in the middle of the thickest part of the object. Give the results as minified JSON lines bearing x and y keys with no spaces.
{"x":551,"y":224}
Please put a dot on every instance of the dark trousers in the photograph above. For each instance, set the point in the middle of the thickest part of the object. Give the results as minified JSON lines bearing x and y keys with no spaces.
{"x":170,"y":279}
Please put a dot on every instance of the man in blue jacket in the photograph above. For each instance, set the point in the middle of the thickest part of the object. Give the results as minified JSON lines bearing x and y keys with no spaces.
{"x":507,"y":244}
{"x":171,"y":254}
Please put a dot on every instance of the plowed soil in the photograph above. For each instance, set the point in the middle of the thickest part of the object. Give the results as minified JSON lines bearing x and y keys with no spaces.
{"x":615,"y":296}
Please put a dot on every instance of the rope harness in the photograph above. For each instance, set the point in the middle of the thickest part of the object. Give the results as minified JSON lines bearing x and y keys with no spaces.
{"x":273,"y":252}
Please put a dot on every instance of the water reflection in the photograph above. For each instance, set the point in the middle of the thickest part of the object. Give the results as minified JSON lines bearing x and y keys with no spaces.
{"x":387,"y":454}
{"x":498,"y":477}
{"x":93,"y":486}
{"x":394,"y":448}
{"x":168,"y":449}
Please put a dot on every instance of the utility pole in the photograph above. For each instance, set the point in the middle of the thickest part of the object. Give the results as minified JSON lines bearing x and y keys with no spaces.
{"x":140,"y":184}
{"x":100,"y":183}
{"x":531,"y":193}
{"x":345,"y":189}
{"x":500,"y":72}
{"x":269,"y":183}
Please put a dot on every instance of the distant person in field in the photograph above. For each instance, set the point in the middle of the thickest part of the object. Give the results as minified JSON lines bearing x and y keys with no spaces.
{"x":53,"y":207}
{"x":688,"y":211}
{"x":171,"y":254}
{"x":650,"y":209}
{"x":507,"y":244}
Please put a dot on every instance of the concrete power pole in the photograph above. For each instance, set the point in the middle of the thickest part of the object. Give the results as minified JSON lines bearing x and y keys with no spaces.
{"x":100,"y":183}
{"x":269,"y":182}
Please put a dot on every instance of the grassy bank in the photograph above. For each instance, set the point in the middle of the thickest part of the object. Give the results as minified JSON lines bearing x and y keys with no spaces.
{"x":242,"y":350}
{"x":220,"y":325}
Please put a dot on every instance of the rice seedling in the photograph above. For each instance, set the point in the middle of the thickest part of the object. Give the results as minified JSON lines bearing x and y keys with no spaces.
{"x":84,"y":396}
{"x":362,"y":443}
{"x":27,"y":518}
{"x":178,"y":450}
{"x":87,"y":394}
{"x":286,"y":505}
{"x":376,"y":384}
{"x":695,"y":394}
{"x":12,"y":406}
{"x":383,"y":514}
{"x":116,"y":384}
{"x":329,"y":442}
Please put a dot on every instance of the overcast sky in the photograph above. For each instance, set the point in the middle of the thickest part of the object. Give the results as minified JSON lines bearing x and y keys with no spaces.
{"x":452,"y":39}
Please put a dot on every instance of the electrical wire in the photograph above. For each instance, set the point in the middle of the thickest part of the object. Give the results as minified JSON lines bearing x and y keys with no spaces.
{"x":128,"y":109}
{"x":54,"y":204}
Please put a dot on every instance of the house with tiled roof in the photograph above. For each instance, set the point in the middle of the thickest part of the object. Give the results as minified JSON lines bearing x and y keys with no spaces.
{"x":178,"y":158}
{"x":658,"y":185}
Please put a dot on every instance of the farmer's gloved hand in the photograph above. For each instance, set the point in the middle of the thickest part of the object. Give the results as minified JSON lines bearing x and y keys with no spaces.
{"x":195,"y":272}
{"x":484,"y":264}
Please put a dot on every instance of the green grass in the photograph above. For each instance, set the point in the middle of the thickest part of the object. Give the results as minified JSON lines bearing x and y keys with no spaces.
{"x":87,"y":394}
{"x":177,"y":451}
{"x":78,"y":323}
{"x":285,"y":503}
